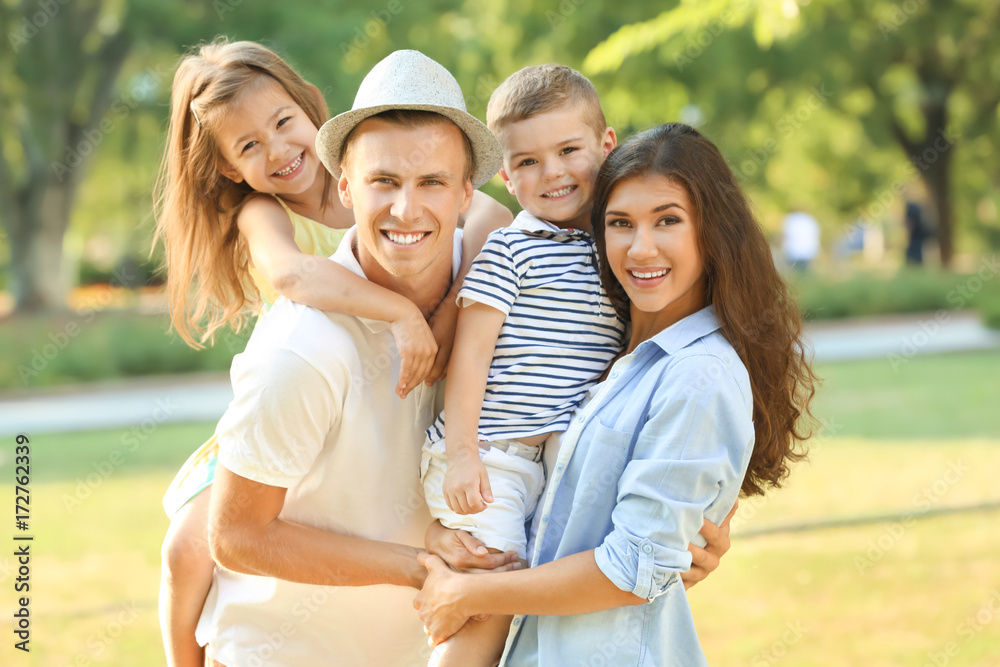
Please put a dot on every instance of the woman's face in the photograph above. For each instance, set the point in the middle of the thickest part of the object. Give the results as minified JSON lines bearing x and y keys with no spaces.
{"x":652,"y":248}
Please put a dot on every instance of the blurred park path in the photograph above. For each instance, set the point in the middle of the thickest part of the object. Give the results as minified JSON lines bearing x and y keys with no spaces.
{"x":147,"y":402}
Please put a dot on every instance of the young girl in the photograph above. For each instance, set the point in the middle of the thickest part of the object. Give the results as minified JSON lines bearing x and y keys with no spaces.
{"x":247,"y":213}
{"x":704,"y":404}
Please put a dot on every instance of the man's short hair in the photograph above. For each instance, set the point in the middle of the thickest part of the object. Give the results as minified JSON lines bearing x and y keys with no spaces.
{"x":413,"y":118}
{"x":537,"y":89}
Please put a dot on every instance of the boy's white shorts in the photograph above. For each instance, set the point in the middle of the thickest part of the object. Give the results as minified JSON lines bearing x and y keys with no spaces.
{"x":516,"y":483}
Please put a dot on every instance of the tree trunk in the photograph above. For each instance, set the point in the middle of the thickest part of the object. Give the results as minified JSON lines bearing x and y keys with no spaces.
{"x":37,"y":246}
{"x":936,"y":179}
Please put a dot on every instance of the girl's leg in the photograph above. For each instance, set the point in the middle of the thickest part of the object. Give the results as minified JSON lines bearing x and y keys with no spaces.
{"x":186,"y":577}
{"x":478,"y":644}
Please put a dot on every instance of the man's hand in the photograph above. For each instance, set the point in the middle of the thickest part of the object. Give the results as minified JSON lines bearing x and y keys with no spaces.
{"x":467,"y":485}
{"x":706,"y":560}
{"x":464,"y":552}
{"x":438,"y":601}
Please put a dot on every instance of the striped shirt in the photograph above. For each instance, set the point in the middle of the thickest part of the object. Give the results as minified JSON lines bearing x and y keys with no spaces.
{"x":560,"y":334}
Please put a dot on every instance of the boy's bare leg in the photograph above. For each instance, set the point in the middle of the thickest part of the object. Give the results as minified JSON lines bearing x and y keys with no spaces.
{"x":185,"y":579}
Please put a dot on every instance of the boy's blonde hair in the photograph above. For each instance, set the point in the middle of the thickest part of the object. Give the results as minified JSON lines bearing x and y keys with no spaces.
{"x":537,"y":89}
{"x":207,"y":261}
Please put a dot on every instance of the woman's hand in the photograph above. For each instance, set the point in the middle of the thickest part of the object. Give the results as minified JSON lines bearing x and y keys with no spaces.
{"x":464,"y":552}
{"x":705,"y":560}
{"x":438,"y":602}
{"x":417,"y":349}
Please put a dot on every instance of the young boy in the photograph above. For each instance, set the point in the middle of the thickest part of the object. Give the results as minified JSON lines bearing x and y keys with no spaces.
{"x":536,"y":330}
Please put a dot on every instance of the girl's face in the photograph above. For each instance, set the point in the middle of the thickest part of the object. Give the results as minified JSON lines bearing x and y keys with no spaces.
{"x":268,"y":141}
{"x":652,"y":248}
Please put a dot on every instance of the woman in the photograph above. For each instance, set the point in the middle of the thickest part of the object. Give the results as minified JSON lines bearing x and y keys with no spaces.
{"x":704,"y":404}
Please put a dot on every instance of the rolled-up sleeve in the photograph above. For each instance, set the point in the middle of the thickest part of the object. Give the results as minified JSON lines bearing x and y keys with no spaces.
{"x":282,"y":410}
{"x":688,"y":464}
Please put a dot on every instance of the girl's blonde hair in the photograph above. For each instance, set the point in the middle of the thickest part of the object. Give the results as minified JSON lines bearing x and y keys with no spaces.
{"x":206,"y":258}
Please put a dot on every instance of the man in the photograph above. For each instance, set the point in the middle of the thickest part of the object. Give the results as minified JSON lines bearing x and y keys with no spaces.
{"x":317,"y":514}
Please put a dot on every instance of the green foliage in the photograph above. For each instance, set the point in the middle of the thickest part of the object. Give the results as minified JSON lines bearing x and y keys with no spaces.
{"x":822,"y":297}
{"x":86,"y":347}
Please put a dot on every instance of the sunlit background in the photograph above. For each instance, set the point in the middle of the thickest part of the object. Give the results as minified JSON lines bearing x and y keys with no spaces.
{"x":882,"y":548}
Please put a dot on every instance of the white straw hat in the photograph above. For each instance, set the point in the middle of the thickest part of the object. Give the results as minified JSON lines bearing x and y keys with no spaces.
{"x":411,"y":80}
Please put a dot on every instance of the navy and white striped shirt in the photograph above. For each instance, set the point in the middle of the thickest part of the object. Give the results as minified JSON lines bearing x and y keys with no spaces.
{"x":561,"y":330}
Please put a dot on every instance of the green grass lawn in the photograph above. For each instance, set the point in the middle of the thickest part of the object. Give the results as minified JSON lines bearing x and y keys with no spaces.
{"x":877,"y":594}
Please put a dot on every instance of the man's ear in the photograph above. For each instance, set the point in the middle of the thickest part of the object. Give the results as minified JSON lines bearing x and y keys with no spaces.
{"x":609,"y":141}
{"x":467,"y":201}
{"x":507,"y":181}
{"x":229,"y":171}
{"x":344,"y":190}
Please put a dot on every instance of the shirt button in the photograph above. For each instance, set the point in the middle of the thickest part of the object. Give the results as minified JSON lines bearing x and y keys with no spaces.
{"x":647,"y":548}
{"x":517,"y":621}
{"x":545,"y":518}
{"x":560,"y":468}
{"x":580,"y":419}
{"x":614,"y":374}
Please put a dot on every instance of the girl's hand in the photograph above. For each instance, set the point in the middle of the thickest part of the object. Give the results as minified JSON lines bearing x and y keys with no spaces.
{"x":467,"y":485}
{"x":462,"y":551}
{"x":705,"y":560}
{"x":443,"y":323}
{"x":416,"y":349}
{"x":438,"y":601}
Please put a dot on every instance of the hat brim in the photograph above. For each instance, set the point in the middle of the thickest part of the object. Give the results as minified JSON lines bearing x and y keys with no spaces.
{"x":486,"y":151}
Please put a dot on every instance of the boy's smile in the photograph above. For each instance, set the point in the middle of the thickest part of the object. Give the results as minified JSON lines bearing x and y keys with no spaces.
{"x":550,"y":163}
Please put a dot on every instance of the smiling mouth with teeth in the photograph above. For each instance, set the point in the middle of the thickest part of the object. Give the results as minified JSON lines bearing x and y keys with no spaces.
{"x":405,"y":239}
{"x":290,"y":168}
{"x":651,"y":274}
{"x":562,"y":192}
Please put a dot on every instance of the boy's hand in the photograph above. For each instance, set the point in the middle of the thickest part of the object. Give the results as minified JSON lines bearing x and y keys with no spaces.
{"x":417,"y":349}
{"x":443,"y":323}
{"x":467,"y":485}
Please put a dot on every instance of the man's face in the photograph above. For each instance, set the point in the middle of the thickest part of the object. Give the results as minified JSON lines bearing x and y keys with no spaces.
{"x":407,"y":187}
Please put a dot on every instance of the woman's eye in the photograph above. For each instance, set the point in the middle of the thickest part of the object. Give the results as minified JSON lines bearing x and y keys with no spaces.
{"x":618,"y":222}
{"x":668,"y":220}
{"x":249,"y":145}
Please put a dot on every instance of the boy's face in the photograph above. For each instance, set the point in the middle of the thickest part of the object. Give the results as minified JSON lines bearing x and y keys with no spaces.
{"x":550,"y":163}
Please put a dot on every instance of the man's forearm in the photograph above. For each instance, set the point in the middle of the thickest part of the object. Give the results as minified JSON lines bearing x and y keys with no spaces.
{"x":247,"y":537}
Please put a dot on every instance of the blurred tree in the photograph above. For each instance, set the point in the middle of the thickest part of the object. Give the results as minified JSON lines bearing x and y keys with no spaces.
{"x":911,"y":74}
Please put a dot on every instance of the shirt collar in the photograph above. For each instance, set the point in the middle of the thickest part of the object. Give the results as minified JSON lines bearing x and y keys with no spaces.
{"x":529,"y":224}
{"x":344,"y":255}
{"x":681,"y":334}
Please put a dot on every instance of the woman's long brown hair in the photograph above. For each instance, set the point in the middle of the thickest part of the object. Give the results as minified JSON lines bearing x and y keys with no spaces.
{"x":206,"y":262}
{"x":752,"y":303}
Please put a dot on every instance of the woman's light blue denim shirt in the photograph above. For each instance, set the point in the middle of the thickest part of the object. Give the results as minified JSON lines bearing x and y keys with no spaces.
{"x":663,"y":442}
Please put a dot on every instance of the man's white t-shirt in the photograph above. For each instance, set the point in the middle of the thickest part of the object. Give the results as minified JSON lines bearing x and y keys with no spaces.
{"x":315,"y":411}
